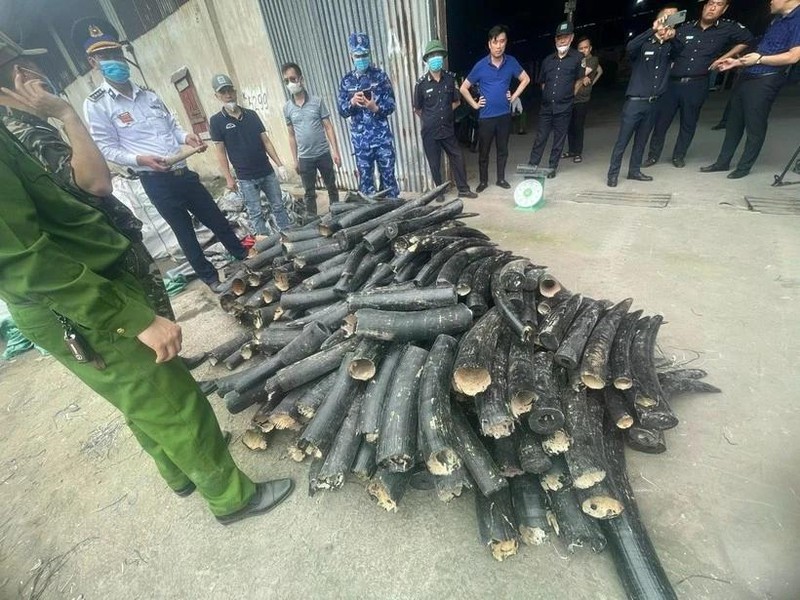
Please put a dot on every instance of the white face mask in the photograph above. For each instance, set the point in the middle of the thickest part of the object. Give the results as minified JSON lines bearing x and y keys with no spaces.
{"x":294,"y":87}
{"x":562,"y":49}
{"x":231,"y":105}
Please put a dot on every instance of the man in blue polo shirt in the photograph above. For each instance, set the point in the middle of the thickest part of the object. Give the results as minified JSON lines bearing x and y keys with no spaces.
{"x":241,"y":137}
{"x":492,"y":75}
{"x":762,"y":77}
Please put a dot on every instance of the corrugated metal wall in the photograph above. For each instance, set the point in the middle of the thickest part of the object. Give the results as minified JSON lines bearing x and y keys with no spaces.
{"x":313,"y":33}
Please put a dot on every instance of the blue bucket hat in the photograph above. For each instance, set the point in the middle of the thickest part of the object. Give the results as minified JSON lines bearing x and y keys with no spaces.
{"x":358,"y":43}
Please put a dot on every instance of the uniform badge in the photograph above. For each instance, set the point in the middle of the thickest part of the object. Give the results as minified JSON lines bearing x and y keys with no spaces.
{"x":125,"y":118}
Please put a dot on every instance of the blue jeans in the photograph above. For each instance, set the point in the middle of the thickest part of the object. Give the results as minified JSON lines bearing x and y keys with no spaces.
{"x":251,"y":190}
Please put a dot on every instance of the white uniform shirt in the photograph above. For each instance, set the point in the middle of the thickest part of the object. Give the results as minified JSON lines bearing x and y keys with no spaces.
{"x":125,"y":127}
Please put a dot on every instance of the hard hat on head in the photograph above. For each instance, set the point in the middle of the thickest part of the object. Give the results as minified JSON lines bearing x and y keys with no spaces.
{"x":10,"y":50}
{"x":433,"y":47}
{"x":93,"y":34}
{"x":358,"y":43}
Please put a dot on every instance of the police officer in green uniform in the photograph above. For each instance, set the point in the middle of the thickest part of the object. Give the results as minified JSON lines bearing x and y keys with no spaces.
{"x":66,"y":274}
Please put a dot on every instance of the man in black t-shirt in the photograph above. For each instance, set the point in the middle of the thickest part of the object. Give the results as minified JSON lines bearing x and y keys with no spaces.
{"x":241,"y":138}
{"x":559,"y":77}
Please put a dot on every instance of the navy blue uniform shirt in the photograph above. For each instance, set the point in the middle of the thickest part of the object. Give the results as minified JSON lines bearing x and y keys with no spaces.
{"x":559,"y":76}
{"x":697,"y":48}
{"x":434,"y":99}
{"x":650,"y":59}
{"x":494,"y":83}
{"x":783,"y":35}
{"x":242,"y":139}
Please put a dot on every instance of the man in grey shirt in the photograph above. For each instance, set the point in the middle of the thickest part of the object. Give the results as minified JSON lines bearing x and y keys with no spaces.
{"x":311,"y":138}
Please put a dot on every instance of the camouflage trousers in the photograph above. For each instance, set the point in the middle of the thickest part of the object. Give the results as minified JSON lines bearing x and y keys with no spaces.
{"x":366,"y":159}
{"x":138,"y":262}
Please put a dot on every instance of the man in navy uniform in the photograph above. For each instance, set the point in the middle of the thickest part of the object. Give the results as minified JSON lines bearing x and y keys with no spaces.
{"x":650,"y":55}
{"x":701,"y":46}
{"x":435,"y":98}
{"x":133,"y":128}
{"x":560,"y":78}
{"x":763,"y":74}
{"x":492,"y":75}
{"x":366,"y":98}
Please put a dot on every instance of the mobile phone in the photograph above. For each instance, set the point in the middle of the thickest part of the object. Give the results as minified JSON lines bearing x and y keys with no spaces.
{"x":675,"y":19}
{"x":367,"y":94}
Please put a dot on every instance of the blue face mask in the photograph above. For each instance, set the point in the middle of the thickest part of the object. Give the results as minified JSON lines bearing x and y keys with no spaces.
{"x":361,"y":63}
{"x":116,"y":71}
{"x":436,"y":63}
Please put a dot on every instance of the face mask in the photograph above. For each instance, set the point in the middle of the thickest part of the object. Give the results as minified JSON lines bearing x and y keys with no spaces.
{"x":562,"y":49}
{"x":435,"y":63}
{"x":361,"y":63}
{"x":116,"y":71}
{"x":231,"y":105}
{"x":48,"y":84}
{"x":294,"y":87}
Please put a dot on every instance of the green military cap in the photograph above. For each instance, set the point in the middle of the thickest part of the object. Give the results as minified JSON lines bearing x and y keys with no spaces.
{"x":10,"y":50}
{"x":433,"y":47}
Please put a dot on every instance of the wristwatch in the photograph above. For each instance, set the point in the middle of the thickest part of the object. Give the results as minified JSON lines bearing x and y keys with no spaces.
{"x":760,"y":56}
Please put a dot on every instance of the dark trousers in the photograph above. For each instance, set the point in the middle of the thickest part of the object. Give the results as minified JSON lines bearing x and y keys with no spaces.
{"x":636,"y":122}
{"x":558,"y":125}
{"x":576,"y":126}
{"x":433,"y":152}
{"x":308,"y":168}
{"x":688,"y":98}
{"x":751,"y":104}
{"x":497,"y":129}
{"x":177,"y":198}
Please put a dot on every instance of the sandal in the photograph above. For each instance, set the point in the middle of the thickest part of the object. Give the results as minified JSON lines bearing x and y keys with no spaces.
{"x":578,"y":158}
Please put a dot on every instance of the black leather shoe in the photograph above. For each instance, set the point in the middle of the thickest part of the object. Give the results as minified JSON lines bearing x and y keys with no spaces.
{"x":481,"y":186}
{"x":738,"y":174}
{"x":715,"y":168}
{"x":467,"y":194}
{"x":678,"y":163}
{"x":612,"y":182}
{"x":503,"y":184}
{"x":268,"y":495}
{"x":650,"y":162}
{"x":718,"y":127}
{"x":639,"y":176}
{"x":216,"y":286}
{"x":186,"y":491}
{"x":551,"y":174}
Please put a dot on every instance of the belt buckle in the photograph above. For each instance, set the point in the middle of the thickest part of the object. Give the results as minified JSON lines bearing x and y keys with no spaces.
{"x":652,"y":99}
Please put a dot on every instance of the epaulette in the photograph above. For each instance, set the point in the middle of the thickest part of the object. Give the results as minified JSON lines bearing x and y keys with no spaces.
{"x":732,"y":22}
{"x":97,"y":94}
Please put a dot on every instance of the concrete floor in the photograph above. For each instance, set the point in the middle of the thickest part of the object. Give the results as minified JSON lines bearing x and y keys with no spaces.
{"x":85,"y":515}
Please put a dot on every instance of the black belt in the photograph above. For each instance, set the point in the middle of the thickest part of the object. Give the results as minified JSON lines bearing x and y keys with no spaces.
{"x":650,"y":99}
{"x":176,"y":172}
{"x":687,"y":78}
{"x":747,"y":76}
